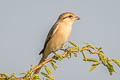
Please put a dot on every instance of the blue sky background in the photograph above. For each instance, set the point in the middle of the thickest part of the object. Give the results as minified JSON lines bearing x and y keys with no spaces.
{"x":24,"y":25}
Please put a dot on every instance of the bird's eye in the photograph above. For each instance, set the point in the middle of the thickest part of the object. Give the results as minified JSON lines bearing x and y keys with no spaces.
{"x":70,"y":16}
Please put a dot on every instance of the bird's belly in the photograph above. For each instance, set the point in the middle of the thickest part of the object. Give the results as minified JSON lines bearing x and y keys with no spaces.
{"x":59,"y":38}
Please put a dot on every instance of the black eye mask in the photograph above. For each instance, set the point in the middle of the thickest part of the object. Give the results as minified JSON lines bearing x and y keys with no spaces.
{"x":67,"y":17}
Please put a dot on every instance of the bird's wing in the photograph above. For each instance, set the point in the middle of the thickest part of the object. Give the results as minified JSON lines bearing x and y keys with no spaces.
{"x":49,"y":36}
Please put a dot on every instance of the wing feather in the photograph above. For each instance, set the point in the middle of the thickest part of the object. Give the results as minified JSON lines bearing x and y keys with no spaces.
{"x":49,"y":36}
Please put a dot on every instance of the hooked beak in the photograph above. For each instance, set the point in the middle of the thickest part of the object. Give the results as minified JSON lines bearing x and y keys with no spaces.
{"x":77,"y":18}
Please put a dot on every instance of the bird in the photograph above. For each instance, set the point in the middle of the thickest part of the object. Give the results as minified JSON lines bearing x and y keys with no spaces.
{"x":57,"y":35}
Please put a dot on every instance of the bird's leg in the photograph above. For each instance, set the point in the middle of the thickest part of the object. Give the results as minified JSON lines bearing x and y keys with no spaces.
{"x":54,"y":52}
{"x":58,"y":56}
{"x":65,"y":50}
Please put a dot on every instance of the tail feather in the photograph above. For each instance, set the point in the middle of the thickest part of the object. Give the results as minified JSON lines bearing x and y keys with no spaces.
{"x":41,"y":52}
{"x":38,"y":70}
{"x":44,"y":56}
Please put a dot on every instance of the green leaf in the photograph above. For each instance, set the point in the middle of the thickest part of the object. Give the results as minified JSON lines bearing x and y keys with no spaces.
{"x":91,"y":46}
{"x":4,"y":75}
{"x":35,"y":77}
{"x":74,"y":44}
{"x":116,"y":61}
{"x":59,"y":57}
{"x":103,"y":59}
{"x":75,"y":54}
{"x":85,"y":43}
{"x":22,"y":73}
{"x":109,"y":69}
{"x":109,"y":62}
{"x":79,"y":49}
{"x":92,"y":60}
{"x":51,"y":77}
{"x":84,"y":56}
{"x":48,"y":70}
{"x":53,"y":65}
{"x":12,"y":75}
{"x":110,"y":66}
{"x":45,"y":75}
{"x":99,"y":48}
{"x":69,"y":55}
{"x":93,"y":66}
{"x":54,"y":61}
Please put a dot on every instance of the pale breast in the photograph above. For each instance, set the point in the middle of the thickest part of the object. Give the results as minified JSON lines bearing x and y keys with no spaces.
{"x":60,"y":37}
{"x":65,"y":31}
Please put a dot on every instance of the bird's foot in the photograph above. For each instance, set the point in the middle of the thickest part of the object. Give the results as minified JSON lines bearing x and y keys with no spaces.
{"x":58,"y":56}
{"x":65,"y":50}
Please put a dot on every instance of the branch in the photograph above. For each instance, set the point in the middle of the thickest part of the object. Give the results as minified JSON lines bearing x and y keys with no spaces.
{"x":73,"y":50}
{"x":66,"y":52}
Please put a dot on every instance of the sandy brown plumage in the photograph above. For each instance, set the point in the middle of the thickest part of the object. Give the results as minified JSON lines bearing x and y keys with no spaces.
{"x":58,"y":35}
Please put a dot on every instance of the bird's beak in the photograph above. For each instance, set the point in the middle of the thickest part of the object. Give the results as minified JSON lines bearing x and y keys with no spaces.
{"x":77,"y":18}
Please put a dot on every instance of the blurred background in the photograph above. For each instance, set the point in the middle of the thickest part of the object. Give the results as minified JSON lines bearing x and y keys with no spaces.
{"x":24,"y":25}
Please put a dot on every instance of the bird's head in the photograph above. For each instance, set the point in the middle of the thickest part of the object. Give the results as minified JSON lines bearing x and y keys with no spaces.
{"x":68,"y":17}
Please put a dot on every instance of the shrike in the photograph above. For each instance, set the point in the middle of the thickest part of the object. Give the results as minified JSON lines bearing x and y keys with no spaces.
{"x":58,"y":35}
